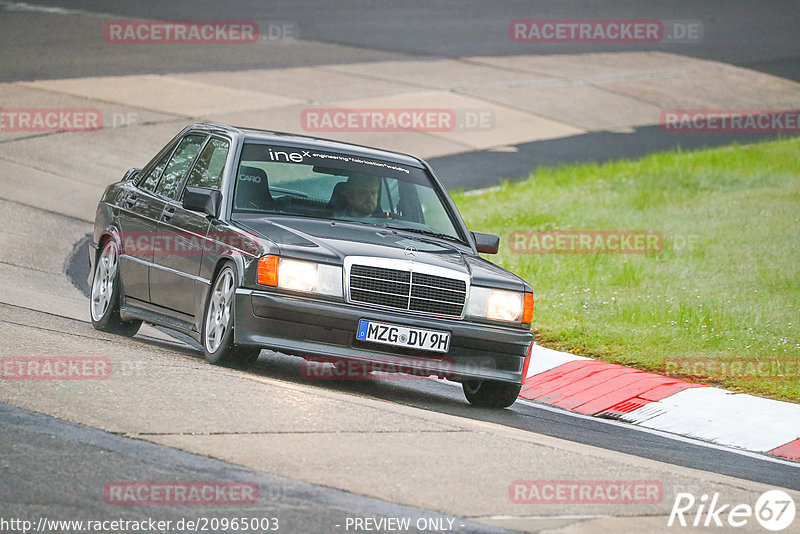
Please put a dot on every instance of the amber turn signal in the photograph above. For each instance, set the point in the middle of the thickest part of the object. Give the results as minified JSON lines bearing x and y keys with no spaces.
{"x":527,"y":313}
{"x":267,"y":273}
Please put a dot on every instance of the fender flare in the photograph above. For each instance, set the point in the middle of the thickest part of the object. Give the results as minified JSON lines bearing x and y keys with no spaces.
{"x":113,"y":232}
{"x":230,"y":256}
{"x":109,"y":232}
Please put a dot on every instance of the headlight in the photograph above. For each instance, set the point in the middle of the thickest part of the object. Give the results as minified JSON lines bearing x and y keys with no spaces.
{"x":298,"y":275}
{"x":500,"y":305}
{"x":504,"y":306}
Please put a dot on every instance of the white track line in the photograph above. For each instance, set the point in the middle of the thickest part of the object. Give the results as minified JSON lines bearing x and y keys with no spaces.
{"x":655,"y":432}
{"x":662,"y":433}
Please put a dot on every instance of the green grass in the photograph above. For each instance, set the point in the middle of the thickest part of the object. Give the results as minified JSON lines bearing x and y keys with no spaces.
{"x":725,"y":286}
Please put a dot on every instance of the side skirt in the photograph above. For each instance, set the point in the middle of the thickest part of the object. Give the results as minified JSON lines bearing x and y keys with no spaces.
{"x":135,"y":309}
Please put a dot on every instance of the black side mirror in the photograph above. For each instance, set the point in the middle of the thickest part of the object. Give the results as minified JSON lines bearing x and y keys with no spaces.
{"x":486,"y":243}
{"x":130,"y":174}
{"x":202,"y":199}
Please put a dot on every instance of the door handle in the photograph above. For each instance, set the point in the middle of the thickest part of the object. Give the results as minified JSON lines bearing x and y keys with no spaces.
{"x":168,"y":213}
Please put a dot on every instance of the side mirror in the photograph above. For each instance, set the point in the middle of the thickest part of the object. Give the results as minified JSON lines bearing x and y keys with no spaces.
{"x":486,"y":243}
{"x":202,"y":199}
{"x":130,"y":174}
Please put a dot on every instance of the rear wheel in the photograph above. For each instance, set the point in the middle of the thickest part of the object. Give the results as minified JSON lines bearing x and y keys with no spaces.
{"x":218,"y":324}
{"x":490,"y":393}
{"x":104,"y":300}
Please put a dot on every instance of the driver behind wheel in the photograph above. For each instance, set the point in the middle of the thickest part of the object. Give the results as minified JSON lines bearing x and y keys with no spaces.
{"x":361,"y":195}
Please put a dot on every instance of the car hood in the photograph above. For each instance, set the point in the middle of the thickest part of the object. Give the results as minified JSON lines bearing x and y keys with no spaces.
{"x":332,"y":241}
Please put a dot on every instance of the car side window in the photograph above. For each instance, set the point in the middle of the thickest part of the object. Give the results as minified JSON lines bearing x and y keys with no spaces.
{"x":149,"y":182}
{"x":179,"y":164}
{"x":207,"y":172}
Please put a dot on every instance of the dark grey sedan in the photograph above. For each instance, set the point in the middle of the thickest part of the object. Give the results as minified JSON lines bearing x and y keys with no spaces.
{"x":353,"y":258}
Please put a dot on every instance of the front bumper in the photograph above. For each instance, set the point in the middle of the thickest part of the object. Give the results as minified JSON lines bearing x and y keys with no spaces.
{"x":326,"y":330}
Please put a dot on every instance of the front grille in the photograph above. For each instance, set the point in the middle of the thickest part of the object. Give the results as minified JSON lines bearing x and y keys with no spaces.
{"x":406,"y":290}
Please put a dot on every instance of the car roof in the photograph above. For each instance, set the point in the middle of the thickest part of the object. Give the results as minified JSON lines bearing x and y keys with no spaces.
{"x":297,"y":140}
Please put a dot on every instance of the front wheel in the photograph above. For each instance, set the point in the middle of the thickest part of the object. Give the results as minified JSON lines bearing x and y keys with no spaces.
{"x":490,"y":393}
{"x":104,"y":300}
{"x":218,"y":324}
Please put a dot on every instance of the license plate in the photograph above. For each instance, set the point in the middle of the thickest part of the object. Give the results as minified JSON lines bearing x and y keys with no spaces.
{"x":403,"y":336}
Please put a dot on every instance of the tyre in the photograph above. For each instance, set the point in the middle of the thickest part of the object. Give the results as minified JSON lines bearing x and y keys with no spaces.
{"x":218,"y":324}
{"x":104,"y":299}
{"x":490,"y":393}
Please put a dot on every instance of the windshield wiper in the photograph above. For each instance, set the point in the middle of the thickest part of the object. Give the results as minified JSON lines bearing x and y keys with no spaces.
{"x":431,"y":233}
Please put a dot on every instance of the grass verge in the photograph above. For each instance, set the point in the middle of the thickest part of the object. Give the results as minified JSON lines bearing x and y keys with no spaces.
{"x":713,"y":297}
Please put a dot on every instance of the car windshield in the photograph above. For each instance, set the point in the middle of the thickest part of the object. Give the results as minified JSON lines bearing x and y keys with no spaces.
{"x":313,"y":183}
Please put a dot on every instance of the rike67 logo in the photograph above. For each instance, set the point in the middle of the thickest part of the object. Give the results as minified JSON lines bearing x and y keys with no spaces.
{"x":774,"y":510}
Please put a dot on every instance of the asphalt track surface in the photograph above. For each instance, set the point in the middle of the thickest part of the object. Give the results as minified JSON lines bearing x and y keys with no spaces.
{"x":760,"y":36}
{"x":736,"y":32}
{"x":50,"y":455}
{"x":533,"y":416}
{"x":763,"y":38}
